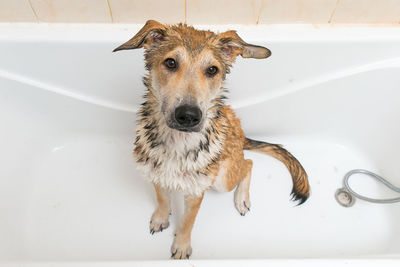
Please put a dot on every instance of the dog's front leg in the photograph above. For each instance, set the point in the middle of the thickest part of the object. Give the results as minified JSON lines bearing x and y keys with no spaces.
{"x":181,"y":248}
{"x":159,"y":220}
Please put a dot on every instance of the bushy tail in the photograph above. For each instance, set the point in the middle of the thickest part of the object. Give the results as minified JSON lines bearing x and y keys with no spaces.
{"x":301,"y":187}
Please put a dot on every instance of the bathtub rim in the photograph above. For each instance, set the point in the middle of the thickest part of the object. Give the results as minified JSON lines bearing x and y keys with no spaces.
{"x":78,"y":32}
{"x":328,"y":262}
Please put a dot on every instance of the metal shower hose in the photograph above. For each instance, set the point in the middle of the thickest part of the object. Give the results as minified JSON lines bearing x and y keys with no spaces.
{"x":375,"y":176}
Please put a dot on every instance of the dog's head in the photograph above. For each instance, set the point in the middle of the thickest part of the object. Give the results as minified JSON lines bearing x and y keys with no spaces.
{"x":187,"y":67}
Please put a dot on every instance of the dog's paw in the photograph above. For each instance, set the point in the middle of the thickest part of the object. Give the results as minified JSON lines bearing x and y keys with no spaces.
{"x":181,"y":250}
{"x":158,"y":222}
{"x":242,"y":202}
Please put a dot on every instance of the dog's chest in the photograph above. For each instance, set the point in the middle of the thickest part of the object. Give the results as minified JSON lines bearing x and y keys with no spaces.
{"x":180,"y":163}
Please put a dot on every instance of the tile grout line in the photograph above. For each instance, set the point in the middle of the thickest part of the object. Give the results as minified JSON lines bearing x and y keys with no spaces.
{"x":259,"y":12}
{"x":110,"y":11}
{"x":185,"y":11}
{"x":333,"y":12}
{"x":33,"y":10}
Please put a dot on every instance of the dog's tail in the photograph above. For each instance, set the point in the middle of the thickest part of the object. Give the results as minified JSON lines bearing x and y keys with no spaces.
{"x":301,"y":187}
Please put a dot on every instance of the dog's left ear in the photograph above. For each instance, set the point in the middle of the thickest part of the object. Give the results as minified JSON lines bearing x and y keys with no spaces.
{"x":232,"y":45}
{"x":152,"y":33}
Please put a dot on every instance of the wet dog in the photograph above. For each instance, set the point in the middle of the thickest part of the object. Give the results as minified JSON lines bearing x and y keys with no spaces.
{"x":187,"y":139}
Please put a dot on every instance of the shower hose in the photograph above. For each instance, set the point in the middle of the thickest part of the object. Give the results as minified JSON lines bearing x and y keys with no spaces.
{"x":378,"y":178}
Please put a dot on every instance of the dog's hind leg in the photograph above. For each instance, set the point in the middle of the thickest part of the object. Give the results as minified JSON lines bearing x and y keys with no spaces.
{"x":242,"y":195}
{"x":159,"y":220}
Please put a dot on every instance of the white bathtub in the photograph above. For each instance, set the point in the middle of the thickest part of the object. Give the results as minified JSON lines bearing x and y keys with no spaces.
{"x":70,"y":194}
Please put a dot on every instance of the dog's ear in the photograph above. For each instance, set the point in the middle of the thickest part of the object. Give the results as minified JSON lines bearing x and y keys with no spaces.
{"x":232,"y":45}
{"x":151,"y":34}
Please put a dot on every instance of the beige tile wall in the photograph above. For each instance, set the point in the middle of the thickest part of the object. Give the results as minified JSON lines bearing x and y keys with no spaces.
{"x":222,"y":11}
{"x":16,"y":10}
{"x":71,"y":10}
{"x":203,"y":11}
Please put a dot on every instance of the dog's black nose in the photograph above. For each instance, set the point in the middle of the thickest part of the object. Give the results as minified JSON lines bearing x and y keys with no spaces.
{"x":188,"y":116}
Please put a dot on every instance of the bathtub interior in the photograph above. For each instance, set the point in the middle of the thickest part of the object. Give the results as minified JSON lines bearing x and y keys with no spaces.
{"x":68,"y":184}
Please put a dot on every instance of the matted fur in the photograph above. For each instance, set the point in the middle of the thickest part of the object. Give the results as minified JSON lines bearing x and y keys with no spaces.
{"x":178,"y":160}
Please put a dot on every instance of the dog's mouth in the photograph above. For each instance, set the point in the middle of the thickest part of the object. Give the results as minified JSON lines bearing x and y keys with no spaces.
{"x":176,"y":126}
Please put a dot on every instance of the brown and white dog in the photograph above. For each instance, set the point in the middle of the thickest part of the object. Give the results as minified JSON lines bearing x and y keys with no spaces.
{"x":187,"y":139}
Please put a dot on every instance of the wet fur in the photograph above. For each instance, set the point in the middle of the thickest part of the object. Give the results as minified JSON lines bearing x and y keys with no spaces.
{"x":177,"y":160}
{"x":210,"y":156}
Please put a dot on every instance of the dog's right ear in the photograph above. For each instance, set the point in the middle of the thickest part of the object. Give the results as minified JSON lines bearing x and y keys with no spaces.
{"x":151,"y":34}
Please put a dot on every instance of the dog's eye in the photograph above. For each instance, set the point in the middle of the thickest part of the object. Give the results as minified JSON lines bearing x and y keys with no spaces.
{"x":211,"y":71}
{"x":170,"y":63}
